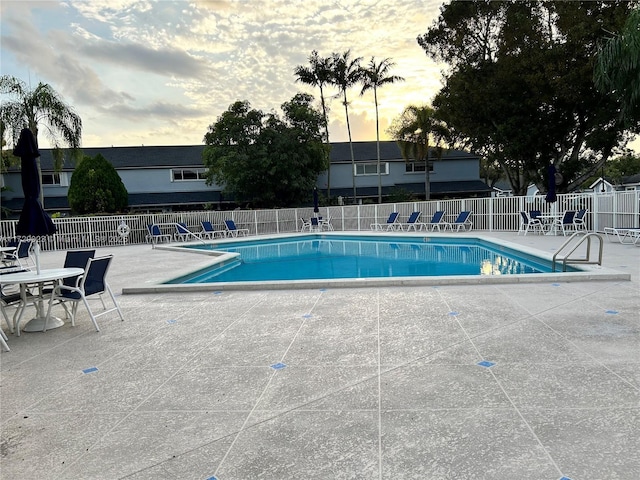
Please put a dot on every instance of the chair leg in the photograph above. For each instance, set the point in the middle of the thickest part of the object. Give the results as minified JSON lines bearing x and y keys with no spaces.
{"x":3,"y":341}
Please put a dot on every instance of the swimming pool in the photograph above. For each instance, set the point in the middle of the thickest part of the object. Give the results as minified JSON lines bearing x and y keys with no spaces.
{"x":356,"y":257}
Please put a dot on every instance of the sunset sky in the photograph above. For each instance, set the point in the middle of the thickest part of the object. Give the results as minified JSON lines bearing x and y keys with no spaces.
{"x":142,"y":72}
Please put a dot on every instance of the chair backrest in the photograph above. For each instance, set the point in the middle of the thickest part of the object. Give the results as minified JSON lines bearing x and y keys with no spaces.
{"x":314,"y":221}
{"x":525,"y":217}
{"x":207,"y":227}
{"x":154,"y":229}
{"x":568,"y":216}
{"x":462,"y":217}
{"x":535,"y":213}
{"x":437,"y":217}
{"x":94,"y":279}
{"x":393,"y":217}
{"x":24,"y":249}
{"x":230,"y":224}
{"x":76,"y":259}
{"x":580,"y":215}
{"x":413,"y":218}
{"x":182,"y":228}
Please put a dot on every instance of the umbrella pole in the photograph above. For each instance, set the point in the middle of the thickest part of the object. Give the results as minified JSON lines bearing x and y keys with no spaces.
{"x":36,"y":252}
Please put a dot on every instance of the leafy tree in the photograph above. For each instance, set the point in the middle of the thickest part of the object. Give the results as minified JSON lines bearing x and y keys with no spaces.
{"x":266,"y":160}
{"x":374,"y":76}
{"x":40,"y":107}
{"x":617,"y":69}
{"x":96,"y":187}
{"x":418,"y":131}
{"x":622,"y":166}
{"x":346,"y":73}
{"x":519,"y":90}
{"x":318,"y":74}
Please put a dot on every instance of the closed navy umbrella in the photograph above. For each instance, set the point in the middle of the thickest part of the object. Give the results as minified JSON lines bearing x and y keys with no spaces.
{"x":34,"y":221}
{"x":551,"y":191}
{"x":316,"y":209}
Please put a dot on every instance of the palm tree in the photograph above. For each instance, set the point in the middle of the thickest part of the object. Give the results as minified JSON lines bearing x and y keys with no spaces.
{"x":617,"y":67}
{"x":42,"y":106}
{"x":413,"y":131}
{"x":346,"y":73}
{"x":318,"y":75}
{"x":375,"y":75}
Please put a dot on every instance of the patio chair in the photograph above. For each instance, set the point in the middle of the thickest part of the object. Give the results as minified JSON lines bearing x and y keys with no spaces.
{"x":155,"y":235}
{"x":462,"y":222}
{"x":305,"y":224}
{"x":435,"y":222}
{"x":13,"y":300}
{"x":391,"y":223}
{"x":93,"y":282}
{"x":412,"y":222}
{"x":316,"y":224}
{"x":234,"y":231}
{"x":529,"y":223}
{"x":74,"y":259}
{"x":566,"y":222}
{"x":209,"y":232}
{"x":182,"y":233}
{"x":21,"y":256}
{"x":579,"y":220}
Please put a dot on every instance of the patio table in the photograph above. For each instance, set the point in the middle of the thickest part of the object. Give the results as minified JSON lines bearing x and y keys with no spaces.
{"x":24,"y":279}
{"x":549,"y":220}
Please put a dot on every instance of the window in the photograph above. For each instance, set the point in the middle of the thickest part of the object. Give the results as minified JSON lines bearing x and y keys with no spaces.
{"x":417,"y":167}
{"x":50,"y":178}
{"x":371,"y":169}
{"x":188,"y":174}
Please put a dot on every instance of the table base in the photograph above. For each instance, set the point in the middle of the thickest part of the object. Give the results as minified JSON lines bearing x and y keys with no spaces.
{"x":37,"y":324}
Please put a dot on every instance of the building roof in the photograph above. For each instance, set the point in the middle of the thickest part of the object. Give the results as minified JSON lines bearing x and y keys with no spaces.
{"x":191,"y":155}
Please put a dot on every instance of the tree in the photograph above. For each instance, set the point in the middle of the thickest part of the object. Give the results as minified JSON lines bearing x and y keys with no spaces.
{"x":318,"y":74}
{"x":374,"y":76}
{"x":266,"y":160}
{"x":617,"y":69}
{"x":40,"y":107}
{"x":519,"y":89}
{"x":96,"y":187}
{"x":418,"y":131}
{"x":346,"y":73}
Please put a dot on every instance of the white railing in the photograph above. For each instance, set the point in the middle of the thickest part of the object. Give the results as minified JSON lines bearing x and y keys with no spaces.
{"x":616,"y":209}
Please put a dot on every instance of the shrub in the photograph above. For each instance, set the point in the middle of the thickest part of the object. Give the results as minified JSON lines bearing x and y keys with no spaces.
{"x":96,"y":187}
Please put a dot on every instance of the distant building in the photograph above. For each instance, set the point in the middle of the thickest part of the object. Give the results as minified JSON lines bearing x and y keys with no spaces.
{"x":166,"y":178}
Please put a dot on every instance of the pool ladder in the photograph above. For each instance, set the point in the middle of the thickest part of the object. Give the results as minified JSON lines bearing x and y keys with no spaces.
{"x":586,"y":260}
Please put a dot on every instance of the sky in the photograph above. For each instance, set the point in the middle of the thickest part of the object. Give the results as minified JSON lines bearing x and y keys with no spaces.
{"x":141,"y":72}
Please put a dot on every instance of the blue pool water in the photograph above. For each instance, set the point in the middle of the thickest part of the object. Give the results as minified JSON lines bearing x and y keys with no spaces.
{"x":310,"y":257}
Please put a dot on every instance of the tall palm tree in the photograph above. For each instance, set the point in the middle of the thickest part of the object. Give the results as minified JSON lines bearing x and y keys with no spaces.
{"x":617,"y":67}
{"x":319,"y":75}
{"x":40,"y":107}
{"x":346,"y":73}
{"x":416,"y":131}
{"x":375,"y":75}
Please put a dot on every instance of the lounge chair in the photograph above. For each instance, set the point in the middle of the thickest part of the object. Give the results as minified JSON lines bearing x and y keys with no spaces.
{"x":391,"y":223}
{"x":435,"y":222}
{"x":627,"y":236}
{"x":183,"y":233}
{"x":155,"y":235}
{"x":209,"y":232}
{"x":93,"y":282}
{"x":462,"y":222}
{"x":233,"y":231}
{"x":529,"y":223}
{"x":412,"y":222}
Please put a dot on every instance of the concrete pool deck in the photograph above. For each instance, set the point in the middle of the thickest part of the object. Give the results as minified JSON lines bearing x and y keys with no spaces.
{"x":495,"y":381}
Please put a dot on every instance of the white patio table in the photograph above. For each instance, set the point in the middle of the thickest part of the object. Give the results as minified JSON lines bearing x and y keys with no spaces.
{"x":24,"y":279}
{"x":549,"y":220}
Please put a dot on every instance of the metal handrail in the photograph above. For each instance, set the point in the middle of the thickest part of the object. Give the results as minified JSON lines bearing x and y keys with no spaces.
{"x":587,"y":259}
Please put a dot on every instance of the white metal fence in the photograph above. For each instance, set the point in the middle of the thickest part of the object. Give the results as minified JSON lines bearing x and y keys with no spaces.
{"x":617,"y":209}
